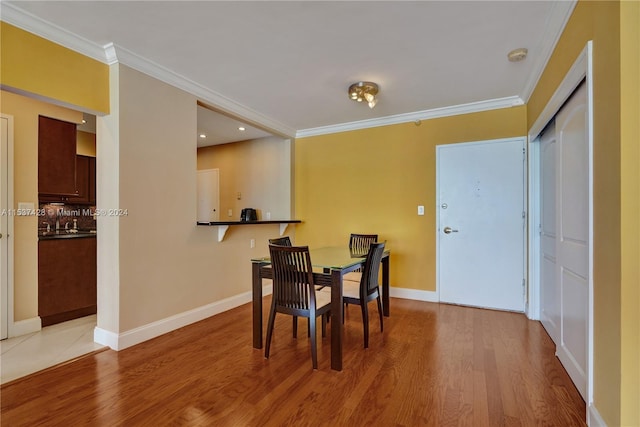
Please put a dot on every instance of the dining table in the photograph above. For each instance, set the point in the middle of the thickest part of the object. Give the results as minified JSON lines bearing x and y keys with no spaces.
{"x":330,"y":264}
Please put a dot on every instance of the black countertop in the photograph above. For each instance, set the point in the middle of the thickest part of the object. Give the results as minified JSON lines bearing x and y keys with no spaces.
{"x":65,"y":234}
{"x":271,"y":221}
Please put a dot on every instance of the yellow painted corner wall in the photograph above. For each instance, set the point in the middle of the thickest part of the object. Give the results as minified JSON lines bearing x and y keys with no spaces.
{"x":372,"y":180}
{"x":31,"y":64}
{"x":630,"y":190}
{"x":25,"y":112}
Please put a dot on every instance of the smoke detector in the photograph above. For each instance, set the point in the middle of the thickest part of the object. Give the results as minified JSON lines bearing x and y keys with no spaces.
{"x":517,"y":55}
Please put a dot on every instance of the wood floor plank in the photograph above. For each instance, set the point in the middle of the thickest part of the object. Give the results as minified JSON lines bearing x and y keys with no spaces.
{"x":434,"y":365}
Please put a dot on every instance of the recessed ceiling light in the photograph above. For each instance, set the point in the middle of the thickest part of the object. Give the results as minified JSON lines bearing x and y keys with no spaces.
{"x":241,"y":129}
{"x":203,"y":136}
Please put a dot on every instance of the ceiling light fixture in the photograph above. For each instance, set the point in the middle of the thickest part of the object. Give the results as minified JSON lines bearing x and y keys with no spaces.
{"x":202,"y":135}
{"x":517,"y":55}
{"x":241,"y":129}
{"x":364,"y":91}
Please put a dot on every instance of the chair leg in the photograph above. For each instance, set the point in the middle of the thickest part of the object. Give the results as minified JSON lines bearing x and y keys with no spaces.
{"x":365,"y":322}
{"x":295,"y":326}
{"x":272,"y":317}
{"x":325,"y":319}
{"x":380,"y":312}
{"x":314,"y":349}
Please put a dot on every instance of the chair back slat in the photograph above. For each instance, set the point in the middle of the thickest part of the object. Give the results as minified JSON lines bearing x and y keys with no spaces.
{"x":369,"y":282}
{"x":292,"y":277}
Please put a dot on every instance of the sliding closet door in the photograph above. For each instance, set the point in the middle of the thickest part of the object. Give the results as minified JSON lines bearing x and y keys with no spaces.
{"x":549,"y":289}
{"x":572,"y":242}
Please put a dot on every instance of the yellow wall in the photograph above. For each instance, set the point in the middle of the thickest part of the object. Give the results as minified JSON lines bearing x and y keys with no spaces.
{"x":372,"y":180}
{"x":616,"y":255}
{"x":630,"y":222}
{"x":35,"y":65}
{"x":258,"y":169}
{"x":25,"y":113}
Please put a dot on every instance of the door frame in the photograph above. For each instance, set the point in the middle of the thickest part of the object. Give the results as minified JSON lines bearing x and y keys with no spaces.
{"x":582,"y":69}
{"x":523,"y":141}
{"x":7,"y":300}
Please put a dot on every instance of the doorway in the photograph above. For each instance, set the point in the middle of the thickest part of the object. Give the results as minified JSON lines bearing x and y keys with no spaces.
{"x":208,"y":194}
{"x":481,"y":223}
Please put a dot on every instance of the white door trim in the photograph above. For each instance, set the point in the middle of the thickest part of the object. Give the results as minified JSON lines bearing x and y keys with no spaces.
{"x":582,"y":69}
{"x":10,"y":231}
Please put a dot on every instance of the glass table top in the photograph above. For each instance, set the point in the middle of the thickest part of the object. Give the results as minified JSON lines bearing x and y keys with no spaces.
{"x":335,"y":257}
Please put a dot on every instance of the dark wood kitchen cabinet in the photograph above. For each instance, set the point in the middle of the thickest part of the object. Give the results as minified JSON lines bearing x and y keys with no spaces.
{"x":67,"y":279}
{"x":85,"y":180}
{"x":56,"y":158}
{"x":92,"y":181}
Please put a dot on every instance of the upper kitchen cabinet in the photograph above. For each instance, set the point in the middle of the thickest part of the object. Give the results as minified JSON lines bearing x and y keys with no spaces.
{"x":92,"y":181}
{"x":85,"y":180}
{"x":56,"y":158}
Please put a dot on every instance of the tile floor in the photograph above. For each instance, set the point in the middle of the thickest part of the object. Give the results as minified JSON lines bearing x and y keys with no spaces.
{"x":26,"y":354}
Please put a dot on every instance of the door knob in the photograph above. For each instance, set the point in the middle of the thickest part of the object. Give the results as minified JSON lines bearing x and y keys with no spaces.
{"x":449,"y":230}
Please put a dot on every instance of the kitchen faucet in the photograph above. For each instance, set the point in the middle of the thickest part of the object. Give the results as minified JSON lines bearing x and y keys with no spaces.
{"x":58,"y":213}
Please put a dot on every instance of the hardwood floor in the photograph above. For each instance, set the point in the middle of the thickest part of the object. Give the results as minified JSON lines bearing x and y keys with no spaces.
{"x":434,"y":365}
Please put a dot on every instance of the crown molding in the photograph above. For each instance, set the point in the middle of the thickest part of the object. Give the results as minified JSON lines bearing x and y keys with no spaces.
{"x":203,"y":94}
{"x":35,"y":25}
{"x":111,"y":54}
{"x":473,"y":107}
{"x":561,"y":12}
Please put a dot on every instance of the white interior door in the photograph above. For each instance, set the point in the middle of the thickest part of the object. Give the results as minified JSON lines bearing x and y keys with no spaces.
{"x":572,"y":243}
{"x":208,"y":195}
{"x":549,"y":291}
{"x":480,"y":196}
{"x":4,"y":226}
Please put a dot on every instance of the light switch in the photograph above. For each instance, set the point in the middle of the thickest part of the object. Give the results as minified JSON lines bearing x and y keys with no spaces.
{"x":420,"y":210}
{"x":230,"y":212}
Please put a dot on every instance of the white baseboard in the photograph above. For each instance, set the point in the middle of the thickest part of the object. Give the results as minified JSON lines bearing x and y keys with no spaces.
{"x":414,"y":294}
{"x":23,"y":327}
{"x":593,"y":417}
{"x":152,"y":330}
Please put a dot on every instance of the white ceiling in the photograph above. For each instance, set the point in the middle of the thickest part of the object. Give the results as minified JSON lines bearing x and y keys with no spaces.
{"x":286,"y":66}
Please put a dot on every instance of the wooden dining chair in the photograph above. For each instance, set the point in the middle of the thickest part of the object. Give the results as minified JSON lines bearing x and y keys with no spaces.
{"x":368,"y":289}
{"x":286,"y":241}
{"x":294,"y":292}
{"x":359,"y":244}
